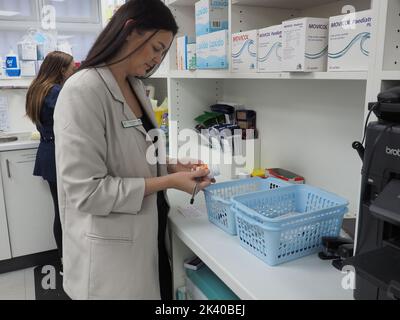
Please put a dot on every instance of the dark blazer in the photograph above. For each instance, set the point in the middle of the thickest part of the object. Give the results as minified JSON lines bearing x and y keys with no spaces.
{"x":45,"y":165}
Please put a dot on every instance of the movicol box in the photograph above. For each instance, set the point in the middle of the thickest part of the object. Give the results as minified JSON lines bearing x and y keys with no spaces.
{"x":181,"y":51}
{"x":305,"y":44}
{"x":211,"y":16}
{"x":349,"y":41}
{"x":269,"y":54}
{"x":212,"y":50}
{"x":244,"y":51}
{"x":191,"y":56}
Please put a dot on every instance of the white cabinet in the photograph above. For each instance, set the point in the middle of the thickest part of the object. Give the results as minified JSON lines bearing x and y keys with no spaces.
{"x":28,"y":204}
{"x":5,"y":251}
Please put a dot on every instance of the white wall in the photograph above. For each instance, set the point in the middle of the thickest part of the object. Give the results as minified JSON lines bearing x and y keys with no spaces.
{"x":16,"y":102}
{"x":308,"y":127}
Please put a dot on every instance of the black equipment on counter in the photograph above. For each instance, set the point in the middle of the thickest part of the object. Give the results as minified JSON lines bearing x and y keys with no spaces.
{"x":377,"y":255}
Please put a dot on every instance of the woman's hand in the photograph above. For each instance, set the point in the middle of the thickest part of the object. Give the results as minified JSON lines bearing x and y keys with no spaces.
{"x":186,"y":181}
{"x":184,"y":165}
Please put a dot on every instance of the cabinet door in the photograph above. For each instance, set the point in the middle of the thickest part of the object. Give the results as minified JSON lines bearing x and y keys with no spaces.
{"x":5,"y":252}
{"x":28,"y":202}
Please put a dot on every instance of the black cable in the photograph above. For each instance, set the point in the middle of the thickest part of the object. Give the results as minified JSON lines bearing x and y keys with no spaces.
{"x":367,"y":121}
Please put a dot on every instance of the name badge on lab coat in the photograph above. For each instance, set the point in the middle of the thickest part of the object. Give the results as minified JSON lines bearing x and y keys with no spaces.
{"x":131,"y":123}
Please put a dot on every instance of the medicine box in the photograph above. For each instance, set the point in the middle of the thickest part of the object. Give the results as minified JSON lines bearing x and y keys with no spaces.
{"x":269,"y":53}
{"x":349,"y":41}
{"x":211,"y":16}
{"x":212,"y":50}
{"x":305,"y":45}
{"x":28,"y":68}
{"x":181,"y":51}
{"x":27,"y":51}
{"x":244,"y":51}
{"x":191,"y":56}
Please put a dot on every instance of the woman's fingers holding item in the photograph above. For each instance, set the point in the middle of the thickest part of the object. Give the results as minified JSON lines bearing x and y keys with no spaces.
{"x":200,"y":173}
{"x":204,"y":184}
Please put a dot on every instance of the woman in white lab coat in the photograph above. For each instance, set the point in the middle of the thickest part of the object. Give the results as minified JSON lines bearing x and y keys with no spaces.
{"x":112,"y":199}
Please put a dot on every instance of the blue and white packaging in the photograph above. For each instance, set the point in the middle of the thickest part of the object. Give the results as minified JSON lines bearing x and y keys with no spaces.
{"x":305,"y":45}
{"x":244,"y":51}
{"x":211,"y":16}
{"x":191,"y":56}
{"x":349,"y":41}
{"x":181,"y":43}
{"x":181,"y":51}
{"x":212,"y":50}
{"x":12,"y":65}
{"x":270,"y":49}
{"x":27,"y":50}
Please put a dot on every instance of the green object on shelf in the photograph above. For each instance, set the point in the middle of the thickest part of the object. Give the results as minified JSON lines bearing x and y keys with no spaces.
{"x":211,"y":286}
{"x":210,"y":118}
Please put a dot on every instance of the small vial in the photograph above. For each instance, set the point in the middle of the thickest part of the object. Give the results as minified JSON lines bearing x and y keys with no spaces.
{"x":214,"y":170}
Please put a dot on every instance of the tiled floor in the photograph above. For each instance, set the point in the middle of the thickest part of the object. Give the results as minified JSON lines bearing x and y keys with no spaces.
{"x":17,"y":285}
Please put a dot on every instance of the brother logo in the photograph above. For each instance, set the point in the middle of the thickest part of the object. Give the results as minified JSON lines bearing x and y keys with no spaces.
{"x":393,"y":152}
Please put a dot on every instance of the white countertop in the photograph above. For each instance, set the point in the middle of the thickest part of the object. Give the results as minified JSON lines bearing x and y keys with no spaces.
{"x":19,"y":145}
{"x":307,"y":278}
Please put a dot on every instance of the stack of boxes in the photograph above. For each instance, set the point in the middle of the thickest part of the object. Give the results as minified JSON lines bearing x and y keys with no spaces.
{"x":30,"y":57}
{"x":340,"y":43}
{"x":212,"y":34}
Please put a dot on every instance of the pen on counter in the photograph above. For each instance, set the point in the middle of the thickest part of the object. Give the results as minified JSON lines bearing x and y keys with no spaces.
{"x":194,"y":193}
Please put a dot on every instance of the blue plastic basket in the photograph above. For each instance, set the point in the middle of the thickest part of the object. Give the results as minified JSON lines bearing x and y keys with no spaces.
{"x":218,"y":198}
{"x":287,"y":223}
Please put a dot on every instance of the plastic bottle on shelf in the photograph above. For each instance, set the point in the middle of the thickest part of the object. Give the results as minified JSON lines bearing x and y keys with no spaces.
{"x":12,"y":65}
{"x":165,"y":128}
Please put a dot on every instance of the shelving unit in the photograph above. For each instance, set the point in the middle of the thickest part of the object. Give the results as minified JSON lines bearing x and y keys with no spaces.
{"x":204,"y":74}
{"x":304,"y":126}
{"x":20,"y":83}
{"x":293,"y":116}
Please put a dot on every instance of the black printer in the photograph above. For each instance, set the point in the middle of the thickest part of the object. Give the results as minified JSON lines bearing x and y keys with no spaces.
{"x":377,"y":255}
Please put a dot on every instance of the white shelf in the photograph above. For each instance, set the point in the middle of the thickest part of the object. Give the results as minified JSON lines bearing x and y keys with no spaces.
{"x":182,"y":2}
{"x":281,"y":4}
{"x":158,"y":75}
{"x":248,"y":276}
{"x":390,"y":75}
{"x":216,"y":74}
{"x":15,"y":83}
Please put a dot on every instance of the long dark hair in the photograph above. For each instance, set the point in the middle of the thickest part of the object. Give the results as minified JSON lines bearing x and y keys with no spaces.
{"x":50,"y":73}
{"x":147,"y":15}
